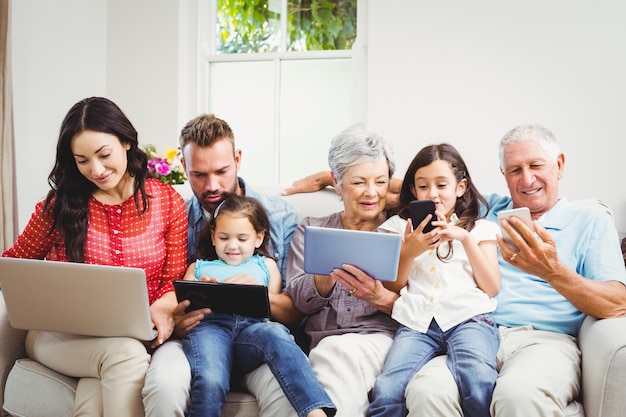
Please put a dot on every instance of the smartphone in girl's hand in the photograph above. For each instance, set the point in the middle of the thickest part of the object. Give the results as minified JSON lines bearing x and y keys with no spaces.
{"x":419,"y":209}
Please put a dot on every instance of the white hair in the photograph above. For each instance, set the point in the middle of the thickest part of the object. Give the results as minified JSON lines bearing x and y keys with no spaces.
{"x":357,"y":144}
{"x":544,"y":137}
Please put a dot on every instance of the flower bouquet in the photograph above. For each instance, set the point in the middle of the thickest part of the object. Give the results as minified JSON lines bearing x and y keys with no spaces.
{"x":166,"y":167}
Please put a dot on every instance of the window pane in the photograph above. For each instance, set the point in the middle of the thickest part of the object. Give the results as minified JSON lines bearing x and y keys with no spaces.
{"x":245,"y":26}
{"x":316,"y":104}
{"x":248,"y":26}
{"x":242,"y":93}
{"x":321,"y":25}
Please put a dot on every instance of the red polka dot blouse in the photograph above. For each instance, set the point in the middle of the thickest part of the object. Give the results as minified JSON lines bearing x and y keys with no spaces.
{"x":117,"y":235}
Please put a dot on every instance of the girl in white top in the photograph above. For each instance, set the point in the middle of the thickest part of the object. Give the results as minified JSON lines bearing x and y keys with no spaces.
{"x":446,"y":279}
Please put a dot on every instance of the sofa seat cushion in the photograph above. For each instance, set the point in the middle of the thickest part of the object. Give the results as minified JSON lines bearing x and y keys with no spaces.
{"x":240,"y":404}
{"x":574,"y":409}
{"x":33,"y":390}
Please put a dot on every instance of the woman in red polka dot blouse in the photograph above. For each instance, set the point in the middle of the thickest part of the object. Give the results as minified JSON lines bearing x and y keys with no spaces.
{"x":102,"y":209}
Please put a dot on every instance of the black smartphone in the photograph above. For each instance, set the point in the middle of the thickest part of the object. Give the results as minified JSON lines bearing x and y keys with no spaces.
{"x":419,"y":209}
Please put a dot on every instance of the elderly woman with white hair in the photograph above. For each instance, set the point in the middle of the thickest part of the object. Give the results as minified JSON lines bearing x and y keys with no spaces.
{"x":350,"y":337}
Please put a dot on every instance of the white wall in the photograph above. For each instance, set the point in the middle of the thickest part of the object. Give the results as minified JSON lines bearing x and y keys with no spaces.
{"x":66,"y":50}
{"x":464,"y":72}
{"x":142,"y":66}
{"x":58,"y":59}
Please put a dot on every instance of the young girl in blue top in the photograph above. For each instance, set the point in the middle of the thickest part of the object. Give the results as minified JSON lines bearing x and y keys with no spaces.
{"x":233,"y":247}
{"x":446,"y":279}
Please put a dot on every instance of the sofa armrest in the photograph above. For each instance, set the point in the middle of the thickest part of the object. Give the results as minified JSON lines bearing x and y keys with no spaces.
{"x":11,"y":347}
{"x":603,"y":347}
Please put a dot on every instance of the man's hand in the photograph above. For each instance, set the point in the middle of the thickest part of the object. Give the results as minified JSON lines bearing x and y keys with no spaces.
{"x":187,"y":321}
{"x":310,"y":183}
{"x":536,"y":255}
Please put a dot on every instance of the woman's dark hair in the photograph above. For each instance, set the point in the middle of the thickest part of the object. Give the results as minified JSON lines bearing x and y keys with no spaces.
{"x":467,"y":207}
{"x":68,"y":200}
{"x":241,"y":206}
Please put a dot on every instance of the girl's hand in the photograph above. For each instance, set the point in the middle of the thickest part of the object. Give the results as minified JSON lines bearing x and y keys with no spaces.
{"x":204,"y":278}
{"x":416,"y":242}
{"x":241,"y":279}
{"x":450,"y":232}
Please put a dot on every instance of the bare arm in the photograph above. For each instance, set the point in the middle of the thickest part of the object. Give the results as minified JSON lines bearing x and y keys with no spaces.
{"x":310,"y":183}
{"x":319,"y":180}
{"x":324,"y":284}
{"x":190,"y":272}
{"x":483,"y":258}
{"x":539,"y":257}
{"x":275,"y":282}
{"x":283,"y":309}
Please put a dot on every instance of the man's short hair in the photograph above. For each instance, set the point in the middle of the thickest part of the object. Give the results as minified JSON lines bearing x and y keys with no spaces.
{"x":205,"y":130}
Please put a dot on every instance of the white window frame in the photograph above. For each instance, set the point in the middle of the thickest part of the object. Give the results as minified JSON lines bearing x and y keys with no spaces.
{"x":197,"y":45}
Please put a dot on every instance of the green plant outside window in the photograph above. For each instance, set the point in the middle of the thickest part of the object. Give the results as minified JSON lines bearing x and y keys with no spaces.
{"x":248,"y":26}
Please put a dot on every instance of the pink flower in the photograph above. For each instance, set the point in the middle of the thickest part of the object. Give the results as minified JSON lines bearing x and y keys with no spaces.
{"x":166,"y":167}
{"x":162,"y":167}
{"x":152,"y":164}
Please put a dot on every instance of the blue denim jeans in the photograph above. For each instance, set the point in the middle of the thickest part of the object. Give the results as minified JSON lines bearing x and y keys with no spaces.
{"x":471,"y":348}
{"x":223,"y":341}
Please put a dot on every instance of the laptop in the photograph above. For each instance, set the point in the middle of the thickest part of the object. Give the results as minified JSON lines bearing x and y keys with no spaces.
{"x":241,"y":299}
{"x":76,"y":298}
{"x":376,"y":254}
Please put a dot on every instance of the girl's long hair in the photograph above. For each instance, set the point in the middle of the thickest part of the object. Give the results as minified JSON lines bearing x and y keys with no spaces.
{"x":467,"y":207}
{"x":67,"y":201}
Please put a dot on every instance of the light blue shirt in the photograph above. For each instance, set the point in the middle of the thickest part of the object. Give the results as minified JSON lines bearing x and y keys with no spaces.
{"x":586,"y":241}
{"x":283,"y":223}
{"x":254,"y":266}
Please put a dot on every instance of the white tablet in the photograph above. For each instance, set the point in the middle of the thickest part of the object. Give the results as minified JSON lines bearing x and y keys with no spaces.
{"x":376,"y":254}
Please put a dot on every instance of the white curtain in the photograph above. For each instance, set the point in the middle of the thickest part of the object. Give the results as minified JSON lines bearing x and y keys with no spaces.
{"x":8,"y":203}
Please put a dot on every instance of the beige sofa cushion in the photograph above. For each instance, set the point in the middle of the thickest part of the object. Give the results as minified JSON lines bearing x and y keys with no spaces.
{"x":33,"y":390}
{"x":30,"y":388}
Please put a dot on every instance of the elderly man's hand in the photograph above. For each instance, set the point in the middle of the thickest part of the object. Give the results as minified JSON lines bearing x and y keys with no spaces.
{"x":536,"y":255}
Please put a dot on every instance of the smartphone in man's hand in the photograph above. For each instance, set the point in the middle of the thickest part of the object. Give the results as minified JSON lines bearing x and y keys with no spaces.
{"x":419,"y":209}
{"x":522,"y":213}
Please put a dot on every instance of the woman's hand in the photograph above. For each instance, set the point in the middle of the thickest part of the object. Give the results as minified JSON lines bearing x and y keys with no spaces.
{"x":324,"y":284}
{"x":364,"y":287}
{"x":162,"y":314}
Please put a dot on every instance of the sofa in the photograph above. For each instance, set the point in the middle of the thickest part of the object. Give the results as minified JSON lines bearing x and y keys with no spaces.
{"x":29,"y":389}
